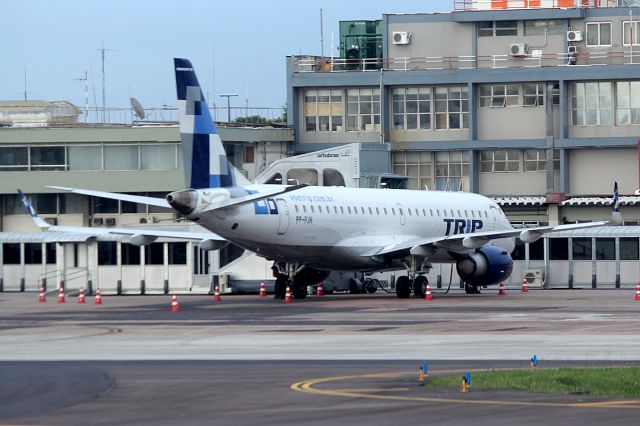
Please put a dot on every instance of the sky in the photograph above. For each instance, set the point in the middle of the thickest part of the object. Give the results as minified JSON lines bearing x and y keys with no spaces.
{"x":235,"y":46}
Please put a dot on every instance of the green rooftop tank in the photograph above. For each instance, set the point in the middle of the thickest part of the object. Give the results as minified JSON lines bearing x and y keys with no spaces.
{"x":361,"y":40}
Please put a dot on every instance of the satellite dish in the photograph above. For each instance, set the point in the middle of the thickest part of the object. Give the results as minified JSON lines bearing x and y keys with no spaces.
{"x":137,"y":108}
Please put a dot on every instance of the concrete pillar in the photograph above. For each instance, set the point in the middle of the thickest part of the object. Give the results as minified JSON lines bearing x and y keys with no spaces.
{"x":92,"y":266}
{"x":22,"y":267}
{"x":119,"y":263}
{"x":43,"y":280}
{"x":190,"y":265}
{"x":142,"y":269}
{"x":1,"y":267}
{"x":61,"y":264}
{"x":165,"y":262}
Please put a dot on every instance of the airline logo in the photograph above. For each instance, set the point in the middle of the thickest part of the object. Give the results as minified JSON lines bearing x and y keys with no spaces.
{"x":266,"y":206}
{"x":462,"y":226}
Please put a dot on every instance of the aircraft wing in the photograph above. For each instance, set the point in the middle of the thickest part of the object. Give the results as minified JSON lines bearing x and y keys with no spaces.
{"x":139,"y":236}
{"x":465,"y":242}
{"x":151,"y":201}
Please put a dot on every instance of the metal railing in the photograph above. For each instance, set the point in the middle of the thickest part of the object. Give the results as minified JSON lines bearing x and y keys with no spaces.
{"x":433,"y":63}
{"x":473,"y":5}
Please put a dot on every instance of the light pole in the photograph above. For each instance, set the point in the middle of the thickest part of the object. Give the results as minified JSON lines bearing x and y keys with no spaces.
{"x":228,"y":96}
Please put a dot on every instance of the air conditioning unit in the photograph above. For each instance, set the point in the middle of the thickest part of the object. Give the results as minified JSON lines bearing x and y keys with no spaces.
{"x":98,"y":221}
{"x":51,"y":221}
{"x":534,"y":277}
{"x":573,"y":49}
{"x":110,"y":221}
{"x":518,"y":49}
{"x":574,"y":36}
{"x":401,"y":37}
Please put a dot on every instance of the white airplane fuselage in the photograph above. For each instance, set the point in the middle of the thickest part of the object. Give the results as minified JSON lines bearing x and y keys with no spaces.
{"x":340,"y":228}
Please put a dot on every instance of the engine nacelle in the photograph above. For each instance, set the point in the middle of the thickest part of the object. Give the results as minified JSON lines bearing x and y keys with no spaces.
{"x":142,"y":240}
{"x":310,"y":276}
{"x":209,"y":245}
{"x":487,"y":265}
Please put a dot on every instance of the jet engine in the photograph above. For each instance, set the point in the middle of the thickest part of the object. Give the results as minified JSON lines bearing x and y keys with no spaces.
{"x":487,"y":265}
{"x":310,"y":276}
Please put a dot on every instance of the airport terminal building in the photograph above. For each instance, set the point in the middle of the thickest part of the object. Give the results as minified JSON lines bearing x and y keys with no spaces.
{"x":533,"y":103}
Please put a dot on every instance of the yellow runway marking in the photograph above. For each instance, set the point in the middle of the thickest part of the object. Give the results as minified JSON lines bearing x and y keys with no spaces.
{"x":307,"y":386}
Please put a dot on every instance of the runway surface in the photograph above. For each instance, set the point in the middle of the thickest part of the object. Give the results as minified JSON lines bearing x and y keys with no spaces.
{"x":337,"y":359}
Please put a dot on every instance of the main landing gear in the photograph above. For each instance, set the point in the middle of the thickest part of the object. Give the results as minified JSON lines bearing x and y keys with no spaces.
{"x":288,"y":278}
{"x":404,"y":286}
{"x":415,"y":280}
{"x":471,"y":289}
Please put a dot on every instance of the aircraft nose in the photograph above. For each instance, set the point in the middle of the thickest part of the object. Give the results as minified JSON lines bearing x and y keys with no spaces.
{"x":184,"y":202}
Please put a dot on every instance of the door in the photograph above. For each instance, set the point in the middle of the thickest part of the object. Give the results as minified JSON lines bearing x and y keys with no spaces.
{"x":283,"y":216}
{"x":401,"y":213}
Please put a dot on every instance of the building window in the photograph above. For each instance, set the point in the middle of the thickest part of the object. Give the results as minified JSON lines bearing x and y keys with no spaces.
{"x":533,"y":94}
{"x":539,"y":27}
{"x":630,"y":32}
{"x":323,"y":110}
{"x":497,"y":28}
{"x":535,"y":160}
{"x":130,"y":254}
{"x":302,"y":176}
{"x":107,"y":253}
{"x":452,"y":107}
{"x":14,"y":159}
{"x":363,"y":110}
{"x":332,"y":177}
{"x":598,"y":33}
{"x":249,"y":155}
{"x":121,"y":157}
{"x":499,"y":95}
{"x":591,"y":104}
{"x":629,"y":249}
{"x":418,"y":166}
{"x":605,"y":249}
{"x":412,"y":108}
{"x":500,"y":161}
{"x":581,"y":248}
{"x":158,"y":157}
{"x":85,"y":157}
{"x":627,"y":102}
{"x":177,"y":253}
{"x":452,"y":170}
{"x":558,"y":249}
{"x":48,"y":158}
{"x":154,"y":254}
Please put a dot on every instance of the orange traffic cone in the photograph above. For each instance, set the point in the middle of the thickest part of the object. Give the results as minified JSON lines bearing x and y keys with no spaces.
{"x":502,"y":291}
{"x":287,"y":295}
{"x":61,"y":298}
{"x":263,"y":290}
{"x":42,"y":296}
{"x":175,"y":307}
{"x":216,"y":294}
{"x":638,"y":292}
{"x":320,"y":291}
{"x":525,"y":286}
{"x":98,"y":300}
{"x":427,"y":293}
{"x":81,"y":295}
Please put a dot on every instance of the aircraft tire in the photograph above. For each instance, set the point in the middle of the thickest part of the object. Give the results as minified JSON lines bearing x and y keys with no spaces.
{"x":420,"y":286}
{"x":298,"y":290}
{"x":403,"y":287}
{"x":471,"y":289}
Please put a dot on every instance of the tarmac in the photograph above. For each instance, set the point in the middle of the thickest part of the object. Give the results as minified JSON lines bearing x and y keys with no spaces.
{"x":322,"y":360}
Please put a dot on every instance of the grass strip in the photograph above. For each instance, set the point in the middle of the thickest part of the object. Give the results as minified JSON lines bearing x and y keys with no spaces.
{"x":622,"y":382}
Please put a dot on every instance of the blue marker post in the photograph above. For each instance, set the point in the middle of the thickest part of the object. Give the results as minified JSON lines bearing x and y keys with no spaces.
{"x":534,"y":361}
{"x":466,"y":382}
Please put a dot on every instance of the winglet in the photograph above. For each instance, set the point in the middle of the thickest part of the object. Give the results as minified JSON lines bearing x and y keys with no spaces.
{"x":38,"y":221}
{"x":616,"y":217}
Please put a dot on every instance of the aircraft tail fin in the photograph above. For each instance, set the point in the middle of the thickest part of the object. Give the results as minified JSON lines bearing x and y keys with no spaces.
{"x":204,"y":159}
{"x":616,"y":217}
{"x":38,"y":221}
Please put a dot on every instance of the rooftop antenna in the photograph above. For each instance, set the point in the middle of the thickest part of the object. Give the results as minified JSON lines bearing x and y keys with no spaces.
{"x":137,"y":108}
{"x":104,"y":101}
{"x":321,"y":36}
{"x":86,"y":95}
{"x":25,"y":83}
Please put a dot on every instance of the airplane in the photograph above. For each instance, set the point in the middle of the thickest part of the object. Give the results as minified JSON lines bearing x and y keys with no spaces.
{"x":308,"y":231}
